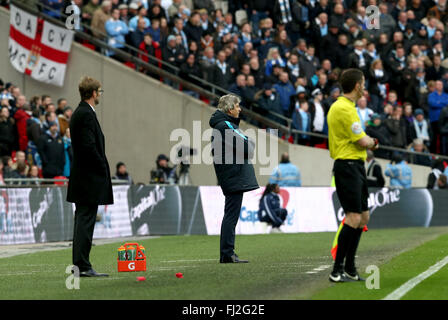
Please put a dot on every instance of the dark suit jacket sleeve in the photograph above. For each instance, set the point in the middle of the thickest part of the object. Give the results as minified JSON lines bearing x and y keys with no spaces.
{"x":88,"y":143}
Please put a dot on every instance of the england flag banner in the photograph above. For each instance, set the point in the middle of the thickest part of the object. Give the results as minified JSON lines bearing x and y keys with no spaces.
{"x":38,"y":48}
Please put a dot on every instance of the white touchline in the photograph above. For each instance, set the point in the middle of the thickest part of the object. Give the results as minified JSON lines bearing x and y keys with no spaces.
{"x":405,"y":288}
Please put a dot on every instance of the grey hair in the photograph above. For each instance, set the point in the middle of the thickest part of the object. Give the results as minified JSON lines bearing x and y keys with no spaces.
{"x":418,"y":141}
{"x":227,"y":102}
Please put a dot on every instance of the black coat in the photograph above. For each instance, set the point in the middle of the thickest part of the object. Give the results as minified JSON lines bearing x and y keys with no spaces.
{"x":239,"y":175}
{"x":51,"y":151}
{"x":6,"y":137}
{"x":90,"y":181}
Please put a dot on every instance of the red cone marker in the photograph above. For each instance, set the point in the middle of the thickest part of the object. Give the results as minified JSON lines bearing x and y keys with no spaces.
{"x":141,"y":278}
{"x":179,"y":275}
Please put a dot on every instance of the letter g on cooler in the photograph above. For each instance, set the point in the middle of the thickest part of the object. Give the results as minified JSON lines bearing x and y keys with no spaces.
{"x":131,"y":266}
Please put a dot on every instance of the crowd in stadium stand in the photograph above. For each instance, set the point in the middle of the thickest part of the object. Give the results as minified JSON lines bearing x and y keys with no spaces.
{"x":285,"y":57}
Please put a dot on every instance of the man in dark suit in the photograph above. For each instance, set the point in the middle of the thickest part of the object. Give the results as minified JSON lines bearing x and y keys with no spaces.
{"x":231,"y":153}
{"x":90,"y":183}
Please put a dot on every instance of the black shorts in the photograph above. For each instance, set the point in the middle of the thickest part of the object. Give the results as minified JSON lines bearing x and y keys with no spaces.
{"x":351,"y":185}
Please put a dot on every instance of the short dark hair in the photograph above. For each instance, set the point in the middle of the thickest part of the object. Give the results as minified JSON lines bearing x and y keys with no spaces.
{"x":349,"y":78}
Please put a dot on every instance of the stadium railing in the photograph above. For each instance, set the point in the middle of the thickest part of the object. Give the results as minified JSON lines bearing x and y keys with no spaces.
{"x":212,"y":95}
{"x":30,"y":182}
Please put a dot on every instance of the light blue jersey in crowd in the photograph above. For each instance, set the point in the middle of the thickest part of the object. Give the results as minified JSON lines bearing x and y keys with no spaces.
{"x":286,"y":175}
{"x":400,"y":175}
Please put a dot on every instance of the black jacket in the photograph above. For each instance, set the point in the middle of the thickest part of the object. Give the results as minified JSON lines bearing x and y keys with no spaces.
{"x":193,"y":33}
{"x":374,"y":174}
{"x":51,"y":151}
{"x":90,"y":181}
{"x":6,"y":137}
{"x":239,"y":175}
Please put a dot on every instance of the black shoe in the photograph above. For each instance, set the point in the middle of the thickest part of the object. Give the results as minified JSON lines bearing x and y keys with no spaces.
{"x":354,"y":276}
{"x":92,"y":273}
{"x":233,"y":259}
{"x":339,"y":277}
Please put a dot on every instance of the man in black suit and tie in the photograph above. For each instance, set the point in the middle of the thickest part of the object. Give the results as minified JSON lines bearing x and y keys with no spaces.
{"x":90,"y":183}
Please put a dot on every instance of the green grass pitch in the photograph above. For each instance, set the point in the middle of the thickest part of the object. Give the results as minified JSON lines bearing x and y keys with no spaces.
{"x":282,"y":266}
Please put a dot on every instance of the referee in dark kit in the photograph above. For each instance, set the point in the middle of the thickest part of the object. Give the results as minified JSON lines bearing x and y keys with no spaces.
{"x":348,"y":144}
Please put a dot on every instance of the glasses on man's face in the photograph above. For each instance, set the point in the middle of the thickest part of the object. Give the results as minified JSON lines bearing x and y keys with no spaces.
{"x":100,"y":91}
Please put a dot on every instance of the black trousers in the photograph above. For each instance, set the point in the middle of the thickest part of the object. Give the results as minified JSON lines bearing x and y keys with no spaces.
{"x":85,"y":218}
{"x":232,"y":211}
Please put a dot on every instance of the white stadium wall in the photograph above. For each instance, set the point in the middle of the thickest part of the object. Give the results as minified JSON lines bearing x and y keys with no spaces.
{"x":138,"y":114}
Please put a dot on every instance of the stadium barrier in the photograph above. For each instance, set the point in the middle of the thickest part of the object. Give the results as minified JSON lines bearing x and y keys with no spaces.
{"x":41,"y":214}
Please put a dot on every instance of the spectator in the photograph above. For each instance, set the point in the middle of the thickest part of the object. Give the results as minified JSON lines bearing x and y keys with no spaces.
{"x":34,"y":131}
{"x":270,"y":210}
{"x":173,"y":9}
{"x":374,"y":172}
{"x":364,"y":113}
{"x":251,"y":90}
{"x":156,"y":11}
{"x":6,"y":132}
{"x":155,"y":31}
{"x":150,"y":48}
{"x":273,"y":58}
{"x":7,"y":167}
{"x":286,"y":174}
{"x":309,"y":63}
{"x":88,"y":10}
{"x":420,"y":128}
{"x":134,"y":22}
{"x":418,"y":146}
{"x":51,"y":151}
{"x":439,"y":11}
{"x":124,"y":13}
{"x":193,"y":29}
{"x":179,"y":30}
{"x":64,"y":120}
{"x":399,"y":172}
{"x":285,"y":91}
{"x":99,"y":19}
{"x":34,"y":127}
{"x":221,"y":73}
{"x":359,"y":58}
{"x":62,"y":103}
{"x":49,"y":117}
{"x":437,"y":169}
{"x":239,"y":87}
{"x":376,"y":129}
{"x":188,"y":69}
{"x":34,"y":175}
{"x":318,"y":117}
{"x":396,"y":63}
{"x":436,"y":71}
{"x":386,"y":22}
{"x":21,"y":116}
{"x":269,"y":100}
{"x":275,"y":76}
{"x":377,"y":79}
{"x":68,"y":152}
{"x":116,"y":31}
{"x":301,"y":120}
{"x":442,"y":182}
{"x":437,"y":100}
{"x":163,"y":174}
{"x":397,"y":128}
{"x":53,"y":8}
{"x":20,"y":160}
{"x":293,"y":68}
{"x":342,"y":51}
{"x":122,"y":174}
